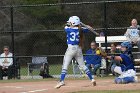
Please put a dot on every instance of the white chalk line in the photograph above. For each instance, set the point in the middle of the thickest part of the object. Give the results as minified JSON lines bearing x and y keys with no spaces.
{"x":68,"y":86}
{"x":24,"y":86}
{"x":33,"y":91}
{"x":11,"y":87}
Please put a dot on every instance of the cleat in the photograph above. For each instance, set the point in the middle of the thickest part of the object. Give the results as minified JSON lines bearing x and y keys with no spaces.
{"x":93,"y":82}
{"x":60,"y":84}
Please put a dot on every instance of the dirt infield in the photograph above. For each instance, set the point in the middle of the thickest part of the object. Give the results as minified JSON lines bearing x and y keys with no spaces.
{"x":71,"y":86}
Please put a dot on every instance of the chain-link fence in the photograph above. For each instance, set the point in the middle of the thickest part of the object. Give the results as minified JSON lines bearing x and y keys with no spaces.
{"x":36,"y":29}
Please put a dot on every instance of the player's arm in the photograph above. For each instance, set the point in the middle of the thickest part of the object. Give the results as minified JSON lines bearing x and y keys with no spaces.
{"x":89,"y":28}
{"x":127,"y":34}
{"x":117,"y":58}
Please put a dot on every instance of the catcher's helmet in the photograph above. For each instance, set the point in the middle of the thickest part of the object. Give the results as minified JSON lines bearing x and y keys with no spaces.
{"x":74,"y":20}
{"x":127,"y":44}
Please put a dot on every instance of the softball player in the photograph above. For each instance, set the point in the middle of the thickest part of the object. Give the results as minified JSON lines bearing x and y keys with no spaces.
{"x":126,"y":70}
{"x":74,"y":31}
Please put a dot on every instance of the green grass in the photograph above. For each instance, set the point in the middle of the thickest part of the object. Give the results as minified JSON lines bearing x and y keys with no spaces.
{"x":53,"y":69}
{"x":110,"y":91}
{"x":56,"y":69}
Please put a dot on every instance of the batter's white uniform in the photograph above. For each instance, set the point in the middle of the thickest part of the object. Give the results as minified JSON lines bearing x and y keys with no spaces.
{"x":73,"y":50}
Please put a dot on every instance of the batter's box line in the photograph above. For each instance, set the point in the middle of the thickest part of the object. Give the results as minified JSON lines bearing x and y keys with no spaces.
{"x":11,"y":87}
{"x":33,"y":91}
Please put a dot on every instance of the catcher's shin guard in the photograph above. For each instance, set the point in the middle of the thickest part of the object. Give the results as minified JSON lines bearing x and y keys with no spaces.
{"x":124,"y":80}
{"x":118,"y":80}
{"x":129,"y":79}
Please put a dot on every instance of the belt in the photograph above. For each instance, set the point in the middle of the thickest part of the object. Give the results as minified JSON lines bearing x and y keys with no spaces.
{"x":72,"y":44}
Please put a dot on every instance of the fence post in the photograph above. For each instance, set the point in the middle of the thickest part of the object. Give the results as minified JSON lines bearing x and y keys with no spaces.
{"x":105,"y":32}
{"x":12,"y":31}
{"x":16,"y":73}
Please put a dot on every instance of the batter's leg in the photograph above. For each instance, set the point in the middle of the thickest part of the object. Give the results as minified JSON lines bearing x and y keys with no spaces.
{"x":79,"y":58}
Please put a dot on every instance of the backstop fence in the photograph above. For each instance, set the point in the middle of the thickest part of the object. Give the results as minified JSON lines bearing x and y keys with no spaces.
{"x":38,"y":29}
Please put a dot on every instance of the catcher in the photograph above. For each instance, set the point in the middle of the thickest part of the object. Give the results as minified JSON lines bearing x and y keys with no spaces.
{"x":126,"y":70}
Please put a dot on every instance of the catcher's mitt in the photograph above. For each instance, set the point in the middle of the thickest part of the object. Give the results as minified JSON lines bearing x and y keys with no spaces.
{"x":100,"y":51}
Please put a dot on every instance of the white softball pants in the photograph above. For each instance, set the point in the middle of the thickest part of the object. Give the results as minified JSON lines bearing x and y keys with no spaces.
{"x":123,"y":74}
{"x":76,"y":52}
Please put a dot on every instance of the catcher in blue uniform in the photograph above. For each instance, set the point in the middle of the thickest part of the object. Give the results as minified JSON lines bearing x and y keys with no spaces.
{"x":126,"y":70}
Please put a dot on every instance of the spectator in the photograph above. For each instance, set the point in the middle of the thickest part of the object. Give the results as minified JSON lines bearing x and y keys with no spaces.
{"x":133,"y":33}
{"x":114,"y":52}
{"x":6,"y":63}
{"x":102,"y":34}
{"x":114,"y":49}
{"x":93,"y":61}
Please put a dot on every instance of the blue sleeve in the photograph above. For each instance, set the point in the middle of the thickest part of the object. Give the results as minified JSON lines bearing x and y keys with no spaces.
{"x":122,"y":56}
{"x":66,"y":28}
{"x":85,"y":30}
{"x":125,"y":59}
